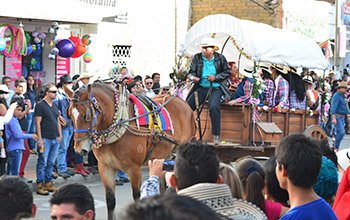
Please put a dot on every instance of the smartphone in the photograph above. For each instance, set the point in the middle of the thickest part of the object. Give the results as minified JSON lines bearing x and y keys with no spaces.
{"x":168,"y":165}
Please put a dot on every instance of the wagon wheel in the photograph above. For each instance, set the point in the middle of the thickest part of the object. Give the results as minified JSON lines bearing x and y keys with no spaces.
{"x":316,"y":132}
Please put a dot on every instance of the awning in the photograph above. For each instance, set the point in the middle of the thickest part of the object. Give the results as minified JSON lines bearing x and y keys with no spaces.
{"x":73,"y":11}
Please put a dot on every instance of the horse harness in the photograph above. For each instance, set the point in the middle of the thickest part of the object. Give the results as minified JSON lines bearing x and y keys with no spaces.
{"x":118,"y":125}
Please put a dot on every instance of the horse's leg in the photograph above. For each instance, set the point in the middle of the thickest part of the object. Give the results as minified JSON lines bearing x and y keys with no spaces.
{"x":108,"y":179}
{"x":134,"y":173}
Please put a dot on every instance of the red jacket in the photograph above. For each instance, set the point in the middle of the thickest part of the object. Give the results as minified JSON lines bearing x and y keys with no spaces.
{"x":342,"y":199}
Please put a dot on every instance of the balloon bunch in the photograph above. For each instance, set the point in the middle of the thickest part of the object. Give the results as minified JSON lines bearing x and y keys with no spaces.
{"x":38,"y":36}
{"x":53,"y":30}
{"x":17,"y":43}
{"x":73,"y":47}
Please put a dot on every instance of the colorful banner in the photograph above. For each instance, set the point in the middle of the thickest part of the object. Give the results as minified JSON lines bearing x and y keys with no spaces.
{"x":13,"y":68}
{"x":62,"y":67}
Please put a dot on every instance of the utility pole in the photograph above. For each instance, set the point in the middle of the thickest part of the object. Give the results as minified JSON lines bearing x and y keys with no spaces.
{"x":336,"y":37}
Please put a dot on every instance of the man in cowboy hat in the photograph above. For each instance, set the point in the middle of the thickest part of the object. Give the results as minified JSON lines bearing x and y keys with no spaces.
{"x":208,"y":69}
{"x":269,"y":90}
{"x":83,"y":80}
{"x":339,"y":112}
{"x":281,"y":96}
{"x":244,"y":89}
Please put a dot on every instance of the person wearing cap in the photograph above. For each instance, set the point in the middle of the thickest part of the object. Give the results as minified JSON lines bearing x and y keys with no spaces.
{"x":83,"y":80}
{"x":244,"y":89}
{"x":312,"y":95}
{"x":297,"y":90}
{"x":208,"y":69}
{"x":62,"y":102}
{"x":339,"y":111}
{"x":281,"y":95}
{"x":269,"y":85}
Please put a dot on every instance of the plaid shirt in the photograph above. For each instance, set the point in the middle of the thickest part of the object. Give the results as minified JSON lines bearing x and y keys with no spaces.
{"x":269,"y":92}
{"x":150,"y":187}
{"x":248,"y":88}
{"x":282,"y":92}
{"x":295,"y":103}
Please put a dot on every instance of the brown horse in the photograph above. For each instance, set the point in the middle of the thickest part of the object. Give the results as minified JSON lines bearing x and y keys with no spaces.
{"x":93,"y":111}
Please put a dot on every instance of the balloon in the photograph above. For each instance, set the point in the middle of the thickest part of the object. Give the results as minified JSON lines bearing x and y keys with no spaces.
{"x":42,"y":35}
{"x":29,"y":49}
{"x":80,"y":50}
{"x":77,"y":42}
{"x":37,"y":40}
{"x":2,"y":44}
{"x":66,"y":48}
{"x":55,"y":51}
{"x":51,"y":57}
{"x":35,"y":34}
{"x":51,"y":43}
{"x":28,"y":37}
{"x":51,"y":30}
{"x":87,"y":58}
{"x":86,"y":41}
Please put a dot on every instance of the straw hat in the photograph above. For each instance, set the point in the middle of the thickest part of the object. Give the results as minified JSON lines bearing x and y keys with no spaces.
{"x":4,"y":88}
{"x":308,"y":79}
{"x":209,"y":42}
{"x":280,"y":68}
{"x":265,"y":67}
{"x":85,"y":75}
{"x":248,"y":70}
{"x":343,"y":84}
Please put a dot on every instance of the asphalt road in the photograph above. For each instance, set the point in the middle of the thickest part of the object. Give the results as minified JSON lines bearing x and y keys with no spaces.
{"x":123,"y":193}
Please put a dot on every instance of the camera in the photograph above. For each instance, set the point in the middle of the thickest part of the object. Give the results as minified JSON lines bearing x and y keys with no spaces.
{"x":168,"y":165}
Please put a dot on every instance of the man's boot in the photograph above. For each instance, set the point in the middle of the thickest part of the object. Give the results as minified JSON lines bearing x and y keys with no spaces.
{"x":216,"y":139}
{"x":50,"y":187}
{"x":80,"y":170}
{"x":41,"y":190}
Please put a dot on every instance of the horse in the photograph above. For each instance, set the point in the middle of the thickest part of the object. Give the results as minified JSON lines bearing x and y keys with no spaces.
{"x":98,"y":110}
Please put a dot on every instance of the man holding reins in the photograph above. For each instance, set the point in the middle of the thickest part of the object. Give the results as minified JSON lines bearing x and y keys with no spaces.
{"x":208,"y":69}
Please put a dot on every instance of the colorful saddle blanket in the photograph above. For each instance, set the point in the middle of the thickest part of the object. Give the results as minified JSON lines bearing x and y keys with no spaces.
{"x":163,"y":121}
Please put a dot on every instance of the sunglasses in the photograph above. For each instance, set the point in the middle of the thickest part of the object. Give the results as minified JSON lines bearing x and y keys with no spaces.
{"x":53,"y":92}
{"x":149,"y":83}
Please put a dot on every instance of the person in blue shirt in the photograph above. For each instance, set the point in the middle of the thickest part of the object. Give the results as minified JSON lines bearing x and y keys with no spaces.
{"x":339,"y":111}
{"x":15,"y":140}
{"x":208,"y":69}
{"x":298,"y":163}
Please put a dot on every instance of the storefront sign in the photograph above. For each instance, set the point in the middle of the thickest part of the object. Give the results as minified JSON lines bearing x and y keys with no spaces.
{"x":109,"y":3}
{"x":346,"y":13}
{"x":62,"y":67}
{"x":13,"y":68}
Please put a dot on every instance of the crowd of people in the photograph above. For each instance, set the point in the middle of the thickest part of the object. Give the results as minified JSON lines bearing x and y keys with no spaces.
{"x":299,"y":182}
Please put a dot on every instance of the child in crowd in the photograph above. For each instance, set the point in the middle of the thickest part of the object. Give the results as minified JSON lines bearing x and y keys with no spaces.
{"x":15,"y":138}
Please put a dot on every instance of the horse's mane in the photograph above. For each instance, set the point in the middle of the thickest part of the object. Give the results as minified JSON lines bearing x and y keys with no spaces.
{"x":107,"y":89}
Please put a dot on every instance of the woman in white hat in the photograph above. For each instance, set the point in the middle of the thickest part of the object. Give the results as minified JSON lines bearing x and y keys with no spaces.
{"x":297,"y":90}
{"x":281,"y":96}
{"x":244,"y":89}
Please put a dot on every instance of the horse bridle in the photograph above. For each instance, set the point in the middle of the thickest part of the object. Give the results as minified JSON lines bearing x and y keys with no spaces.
{"x":91,"y":105}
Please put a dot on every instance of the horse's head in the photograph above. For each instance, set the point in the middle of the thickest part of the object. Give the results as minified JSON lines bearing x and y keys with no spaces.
{"x":85,"y":113}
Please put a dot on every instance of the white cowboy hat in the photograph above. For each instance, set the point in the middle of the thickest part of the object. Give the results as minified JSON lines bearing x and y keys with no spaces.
{"x":85,"y":75}
{"x":265,"y":67}
{"x":4,"y":88}
{"x":209,"y":42}
{"x":248,"y":71}
{"x":280,"y":68}
{"x":308,"y":79}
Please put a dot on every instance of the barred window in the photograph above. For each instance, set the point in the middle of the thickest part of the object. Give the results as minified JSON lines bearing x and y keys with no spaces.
{"x":121,"y":55}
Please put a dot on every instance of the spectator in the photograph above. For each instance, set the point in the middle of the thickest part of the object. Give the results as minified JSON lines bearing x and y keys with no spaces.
{"x":197,"y":176}
{"x":281,"y":96}
{"x":269,"y":85}
{"x":16,"y":199}
{"x":297,"y":90}
{"x":156,"y":83}
{"x":149,"y":84}
{"x":6,"y":80}
{"x":62,"y":102}
{"x":342,"y":198}
{"x":230,"y":177}
{"x":72,"y":201}
{"x":252,"y":176}
{"x":169,"y":208}
{"x":339,"y":111}
{"x":298,"y":164}
{"x":243,"y":92}
{"x":20,"y":91}
{"x":273,"y":191}
{"x":5,"y":117}
{"x":15,"y":138}
{"x":49,"y":138}
{"x":30,"y":123}
{"x":312,"y":95}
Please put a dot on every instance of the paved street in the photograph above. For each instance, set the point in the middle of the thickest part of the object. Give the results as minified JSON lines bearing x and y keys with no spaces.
{"x":123,"y":193}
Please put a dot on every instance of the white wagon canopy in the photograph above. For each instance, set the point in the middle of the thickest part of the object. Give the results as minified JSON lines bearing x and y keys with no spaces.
{"x":255,"y":41}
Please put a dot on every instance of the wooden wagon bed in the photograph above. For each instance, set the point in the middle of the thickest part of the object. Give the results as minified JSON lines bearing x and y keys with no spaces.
{"x":240,"y":137}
